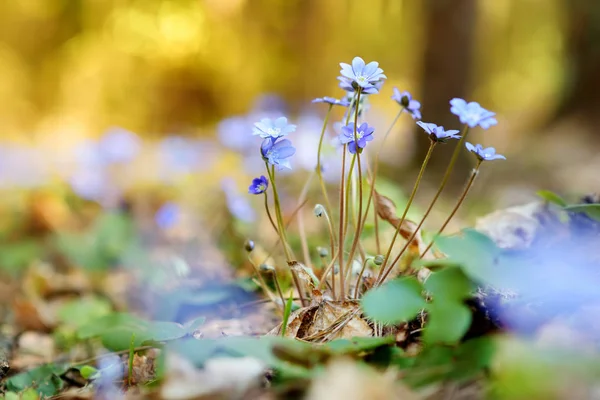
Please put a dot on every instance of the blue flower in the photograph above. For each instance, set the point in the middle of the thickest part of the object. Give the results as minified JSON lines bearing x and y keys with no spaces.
{"x":276,"y":152}
{"x":239,"y":206}
{"x":167,"y":215}
{"x":488,"y":154}
{"x":233,"y":133}
{"x":369,"y":77}
{"x":119,"y":146}
{"x":268,"y":128}
{"x":405,"y":100}
{"x":259,"y":185}
{"x":364,"y":134}
{"x":332,"y":101}
{"x":437,"y":133}
{"x":472,"y":113}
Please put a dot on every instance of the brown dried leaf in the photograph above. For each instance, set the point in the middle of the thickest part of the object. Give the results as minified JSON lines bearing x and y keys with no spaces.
{"x":386,"y":209}
{"x":304,"y":276}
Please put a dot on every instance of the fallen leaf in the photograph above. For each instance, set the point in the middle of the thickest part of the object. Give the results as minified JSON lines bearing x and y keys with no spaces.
{"x":386,"y":209}
{"x":326,"y":321}
{"x":345,"y":379}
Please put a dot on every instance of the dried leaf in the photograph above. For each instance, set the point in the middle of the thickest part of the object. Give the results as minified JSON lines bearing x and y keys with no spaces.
{"x":386,"y":209}
{"x":307,"y":278}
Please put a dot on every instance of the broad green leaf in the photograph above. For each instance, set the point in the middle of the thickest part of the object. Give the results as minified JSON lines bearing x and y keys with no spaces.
{"x":449,"y":283}
{"x":30,"y":394}
{"x":358,"y":344}
{"x":447,"y":322}
{"x":12,"y":396}
{"x":552,"y":197}
{"x":395,"y":301}
{"x":592,"y":210}
{"x":79,"y":312}
{"x":15,"y":257}
{"x":45,"y":380}
{"x":473,"y":356}
{"x":475,"y":252}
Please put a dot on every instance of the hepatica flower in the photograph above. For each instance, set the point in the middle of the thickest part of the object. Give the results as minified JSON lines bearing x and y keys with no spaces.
{"x":259,"y":185}
{"x":410,"y":105}
{"x":472,"y":113}
{"x":276,"y":152}
{"x":119,"y":146}
{"x":487,"y":154}
{"x":167,"y":215}
{"x":332,"y":101}
{"x":437,"y":133}
{"x":369,"y":77}
{"x":364,"y":134}
{"x":268,"y":128}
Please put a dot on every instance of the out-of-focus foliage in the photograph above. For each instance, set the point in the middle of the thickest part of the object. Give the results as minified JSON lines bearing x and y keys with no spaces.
{"x":179,"y":65}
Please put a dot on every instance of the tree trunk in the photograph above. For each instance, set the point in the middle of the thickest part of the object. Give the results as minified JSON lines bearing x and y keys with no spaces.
{"x":582,"y":94}
{"x":447,"y":70}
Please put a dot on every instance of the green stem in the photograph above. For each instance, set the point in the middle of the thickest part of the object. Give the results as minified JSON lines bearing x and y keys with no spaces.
{"x":437,"y":195}
{"x":348,"y":185}
{"x":410,"y":200}
{"x":301,"y":230}
{"x":341,"y":246}
{"x":281,"y":227}
{"x":373,"y":179}
{"x":341,"y":224}
{"x":360,"y":206}
{"x":362,"y":271}
{"x":457,"y":206}
{"x":269,"y":213}
{"x":319,"y":166}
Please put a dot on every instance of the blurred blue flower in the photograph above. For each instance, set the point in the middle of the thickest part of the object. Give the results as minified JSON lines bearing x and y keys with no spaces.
{"x":269,"y":103}
{"x":119,"y":146}
{"x":167,"y":215}
{"x":369,"y":77}
{"x":437,"y":133}
{"x":276,"y":152}
{"x":405,"y":100}
{"x":332,"y":101}
{"x":238,"y":205}
{"x":180,"y":154}
{"x":364,"y":134}
{"x":259,"y":185}
{"x":233,"y":133}
{"x":472,"y":113}
{"x":90,"y":183}
{"x":487,"y":154}
{"x":268,"y":128}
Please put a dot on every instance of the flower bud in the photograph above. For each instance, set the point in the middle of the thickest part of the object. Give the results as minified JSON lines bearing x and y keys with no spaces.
{"x":319,"y":210}
{"x":378,"y":260}
{"x":266,"y":268}
{"x":249,"y":245}
{"x":323,"y":252}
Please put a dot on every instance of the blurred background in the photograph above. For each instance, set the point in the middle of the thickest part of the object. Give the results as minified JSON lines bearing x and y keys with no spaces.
{"x":106,"y":97}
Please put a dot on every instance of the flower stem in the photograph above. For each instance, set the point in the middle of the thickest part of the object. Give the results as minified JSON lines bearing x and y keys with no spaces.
{"x":457,"y":206}
{"x":282,"y":235}
{"x":342,"y":229}
{"x":341,"y":224}
{"x":301,"y":230}
{"x":319,"y":166}
{"x":269,"y":213}
{"x":281,"y":227}
{"x":362,"y":271}
{"x":360,"y":206}
{"x":437,"y":195}
{"x":373,"y":179}
{"x":408,"y":204}
{"x":348,"y":186}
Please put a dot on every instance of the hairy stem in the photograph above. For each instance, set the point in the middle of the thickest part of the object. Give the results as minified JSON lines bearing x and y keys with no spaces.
{"x":269,"y":213}
{"x":319,"y":166}
{"x":408,"y":204}
{"x":457,"y":206}
{"x":433,"y":201}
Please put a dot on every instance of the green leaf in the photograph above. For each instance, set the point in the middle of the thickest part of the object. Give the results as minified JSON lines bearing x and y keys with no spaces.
{"x":87,"y":371}
{"x":475,"y":252}
{"x":472,"y":357}
{"x":15,"y":257}
{"x":12,"y":396}
{"x":286,"y":314}
{"x":115,"y":331}
{"x":447,"y":322}
{"x":449,"y":283}
{"x":395,"y":301}
{"x":44,"y":379}
{"x":592,"y":210}
{"x":78,"y":312}
{"x":30,"y":394}
{"x":358,"y":344}
{"x":552,"y":197}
